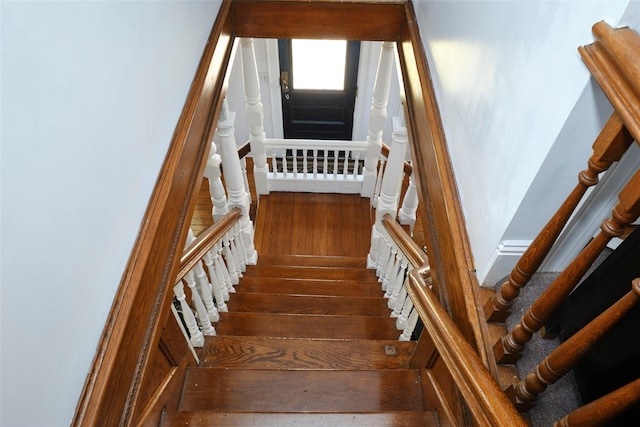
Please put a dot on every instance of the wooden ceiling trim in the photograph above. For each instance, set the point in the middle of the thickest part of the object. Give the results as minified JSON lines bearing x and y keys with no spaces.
{"x":328,"y":19}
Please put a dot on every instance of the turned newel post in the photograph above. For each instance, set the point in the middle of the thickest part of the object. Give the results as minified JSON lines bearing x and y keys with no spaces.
{"x":377,"y":118}
{"x":564,"y":358}
{"x":255,"y":115}
{"x":238,"y":196}
{"x":216,"y":188}
{"x":391,"y":186}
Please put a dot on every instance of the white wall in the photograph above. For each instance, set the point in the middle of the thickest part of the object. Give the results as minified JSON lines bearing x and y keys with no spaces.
{"x":507,"y":77}
{"x":91,"y":94}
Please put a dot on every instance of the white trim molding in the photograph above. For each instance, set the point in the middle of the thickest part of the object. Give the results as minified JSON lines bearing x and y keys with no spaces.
{"x":502,"y":262}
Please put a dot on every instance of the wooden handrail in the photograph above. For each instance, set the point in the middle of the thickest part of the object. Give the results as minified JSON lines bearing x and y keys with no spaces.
{"x":140,"y":308}
{"x":407,"y":245}
{"x":244,"y":149}
{"x":604,"y":409}
{"x":385,"y":150}
{"x":205,"y":241}
{"x":563,"y":359}
{"x":487,"y":402}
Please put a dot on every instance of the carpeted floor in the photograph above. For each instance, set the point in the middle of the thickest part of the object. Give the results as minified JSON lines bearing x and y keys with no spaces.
{"x":562,"y":397}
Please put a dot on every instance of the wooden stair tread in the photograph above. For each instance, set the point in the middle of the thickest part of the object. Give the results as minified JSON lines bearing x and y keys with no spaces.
{"x":308,"y":287}
{"x":307,"y":326}
{"x":312,"y":261}
{"x":225,"y":419}
{"x":239,"y":390}
{"x":294,"y":353}
{"x":308,"y":304}
{"x":306,"y":272}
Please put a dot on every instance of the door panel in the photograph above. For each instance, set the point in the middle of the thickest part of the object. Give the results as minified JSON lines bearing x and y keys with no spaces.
{"x":310,"y":112}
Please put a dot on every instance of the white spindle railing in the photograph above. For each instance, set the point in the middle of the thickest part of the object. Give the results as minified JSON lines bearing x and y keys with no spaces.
{"x":220,"y":250}
{"x":392,"y":268}
{"x":315,"y":166}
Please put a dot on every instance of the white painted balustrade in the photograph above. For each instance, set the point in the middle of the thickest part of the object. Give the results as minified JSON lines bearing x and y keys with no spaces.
{"x":315,"y":166}
{"x":209,"y":278}
{"x":392,"y":269}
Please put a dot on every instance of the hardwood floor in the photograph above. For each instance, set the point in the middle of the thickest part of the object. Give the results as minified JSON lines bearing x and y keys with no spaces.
{"x":313,"y":224}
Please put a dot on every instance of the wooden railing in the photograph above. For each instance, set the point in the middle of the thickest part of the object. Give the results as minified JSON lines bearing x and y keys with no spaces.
{"x":220,"y":250}
{"x":612,"y":59}
{"x":442,"y":342}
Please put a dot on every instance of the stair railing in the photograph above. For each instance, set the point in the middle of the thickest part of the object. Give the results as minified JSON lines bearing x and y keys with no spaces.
{"x":465,"y":370}
{"x":392,"y":267}
{"x":218,"y":248}
{"x":611,"y":60}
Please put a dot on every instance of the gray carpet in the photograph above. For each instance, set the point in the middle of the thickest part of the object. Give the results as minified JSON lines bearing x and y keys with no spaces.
{"x":562,"y":397}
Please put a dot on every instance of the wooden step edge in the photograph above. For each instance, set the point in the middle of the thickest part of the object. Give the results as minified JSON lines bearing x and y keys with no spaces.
{"x":234,"y":352}
{"x":252,"y":419}
{"x":312,"y":261}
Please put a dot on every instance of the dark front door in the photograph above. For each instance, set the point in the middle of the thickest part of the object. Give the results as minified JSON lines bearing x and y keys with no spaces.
{"x":318,"y":80}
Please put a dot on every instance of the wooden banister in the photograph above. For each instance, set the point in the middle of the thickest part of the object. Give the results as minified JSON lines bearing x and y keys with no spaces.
{"x":407,"y":245}
{"x":564,"y":357}
{"x":205,"y":241}
{"x":120,"y":377}
{"x":488,"y":404}
{"x":627,"y":210}
{"x":385,"y":149}
{"x":244,"y":150}
{"x":604,"y":409}
{"x":612,"y":142}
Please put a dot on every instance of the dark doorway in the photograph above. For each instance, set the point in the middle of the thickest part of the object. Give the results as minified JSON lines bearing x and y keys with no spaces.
{"x":318,"y":92}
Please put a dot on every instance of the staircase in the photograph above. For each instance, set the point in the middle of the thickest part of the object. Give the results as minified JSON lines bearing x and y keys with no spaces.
{"x":307,"y":341}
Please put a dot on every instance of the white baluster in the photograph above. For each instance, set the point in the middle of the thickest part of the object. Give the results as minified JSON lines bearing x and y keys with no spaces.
{"x":383,"y":259}
{"x":407,"y":214}
{"x":285,"y":169}
{"x":345,"y":165}
{"x":218,"y":294}
{"x":216,"y":189}
{"x":325,"y":163}
{"x":402,"y":296}
{"x":410,"y":326}
{"x":377,"y":117}
{"x":401,"y":321}
{"x":398,"y":283}
{"x":389,"y":279}
{"x":305,"y":172}
{"x":206,"y":293}
{"x":274,"y":162}
{"x":201,"y":310}
{"x":335,"y":164}
{"x":295,"y":163}
{"x":356,"y":164}
{"x":315,"y":163}
{"x":238,"y":197}
{"x":222,"y":268}
{"x":230,"y":260}
{"x":197,"y":339}
{"x":255,"y":115}
{"x":389,"y":267}
{"x":236,"y":250}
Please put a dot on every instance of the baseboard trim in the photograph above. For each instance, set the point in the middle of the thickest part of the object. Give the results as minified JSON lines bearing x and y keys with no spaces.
{"x":502,"y":262}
